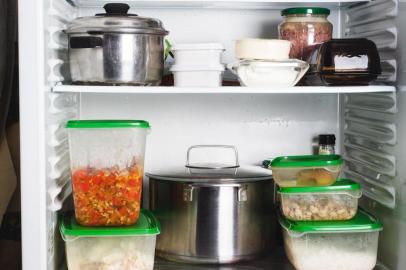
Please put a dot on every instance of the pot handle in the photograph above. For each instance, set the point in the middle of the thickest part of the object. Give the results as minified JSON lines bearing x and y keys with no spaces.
{"x":189,"y":188}
{"x":195,"y":166}
{"x":85,"y":42}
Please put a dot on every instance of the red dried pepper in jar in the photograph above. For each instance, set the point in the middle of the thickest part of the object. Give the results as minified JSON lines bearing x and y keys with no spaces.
{"x":305,"y":28}
{"x":107,"y":196}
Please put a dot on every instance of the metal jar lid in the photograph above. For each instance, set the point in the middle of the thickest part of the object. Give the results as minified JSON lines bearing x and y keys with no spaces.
{"x":213,"y":173}
{"x":116,"y":20}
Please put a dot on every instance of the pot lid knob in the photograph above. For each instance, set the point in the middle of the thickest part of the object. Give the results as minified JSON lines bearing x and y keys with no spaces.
{"x":116,"y":9}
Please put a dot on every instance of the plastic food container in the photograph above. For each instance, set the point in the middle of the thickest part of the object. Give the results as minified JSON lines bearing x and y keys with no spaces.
{"x":262,"y":49}
{"x":112,"y":248}
{"x":336,"y":202}
{"x":197,"y":76}
{"x":258,"y":73}
{"x":198,"y":54}
{"x":344,"y":62}
{"x":306,"y":28}
{"x":107,"y":167}
{"x":332,"y":245}
{"x":312,"y":170}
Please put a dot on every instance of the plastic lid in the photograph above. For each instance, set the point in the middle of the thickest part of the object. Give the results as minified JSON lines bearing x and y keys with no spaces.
{"x":117,"y":20}
{"x":327,"y":139}
{"x":362,"y":222}
{"x":306,"y":161}
{"x":339,"y":185}
{"x":306,"y":10}
{"x":211,"y":67}
{"x":147,"y":224}
{"x":107,"y":124}
{"x":198,"y":46}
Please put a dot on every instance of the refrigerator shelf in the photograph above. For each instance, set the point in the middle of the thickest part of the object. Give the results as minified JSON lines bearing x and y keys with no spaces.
{"x":221,"y":90}
{"x":232,"y":4}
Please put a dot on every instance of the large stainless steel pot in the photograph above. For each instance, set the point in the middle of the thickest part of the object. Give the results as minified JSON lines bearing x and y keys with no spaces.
{"x":117,"y":48}
{"x":212,"y":214}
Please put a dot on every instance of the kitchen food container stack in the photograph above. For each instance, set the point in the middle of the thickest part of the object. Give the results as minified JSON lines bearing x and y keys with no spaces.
{"x":265,"y":62}
{"x":108,"y":229}
{"x":198,"y":64}
{"x":323,"y":228}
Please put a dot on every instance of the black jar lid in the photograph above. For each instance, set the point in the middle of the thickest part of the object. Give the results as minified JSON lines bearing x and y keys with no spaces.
{"x":327,"y":139}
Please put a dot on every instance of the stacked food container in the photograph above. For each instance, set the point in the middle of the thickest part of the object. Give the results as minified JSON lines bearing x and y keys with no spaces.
{"x":323,"y":228}
{"x":198,"y":64}
{"x":109,"y":229}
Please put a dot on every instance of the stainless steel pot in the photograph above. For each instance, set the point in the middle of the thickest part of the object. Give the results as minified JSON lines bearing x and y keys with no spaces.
{"x":212,"y":214}
{"x":116,"y":48}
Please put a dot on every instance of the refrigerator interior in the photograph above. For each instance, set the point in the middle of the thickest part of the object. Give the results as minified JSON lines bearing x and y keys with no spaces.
{"x":260,"y":125}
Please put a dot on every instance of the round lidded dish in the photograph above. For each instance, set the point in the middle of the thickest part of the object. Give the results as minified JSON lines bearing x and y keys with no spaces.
{"x":305,"y":27}
{"x":203,"y":208}
{"x":116,"y":48}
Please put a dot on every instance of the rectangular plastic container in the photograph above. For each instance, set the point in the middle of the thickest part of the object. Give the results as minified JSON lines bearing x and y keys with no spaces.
{"x":190,"y":54}
{"x":311,"y":170}
{"x":332,"y":245}
{"x":336,"y":202}
{"x":107,"y":168}
{"x":112,"y":248}
{"x":197,"y":76}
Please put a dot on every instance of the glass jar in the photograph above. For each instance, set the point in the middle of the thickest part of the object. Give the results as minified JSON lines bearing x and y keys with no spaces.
{"x":305,"y":28}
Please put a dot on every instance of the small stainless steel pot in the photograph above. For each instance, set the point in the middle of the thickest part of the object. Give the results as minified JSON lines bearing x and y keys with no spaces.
{"x":116,"y":48}
{"x":212,"y":214}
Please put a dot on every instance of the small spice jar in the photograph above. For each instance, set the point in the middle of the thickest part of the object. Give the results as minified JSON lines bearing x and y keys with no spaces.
{"x":305,"y":28}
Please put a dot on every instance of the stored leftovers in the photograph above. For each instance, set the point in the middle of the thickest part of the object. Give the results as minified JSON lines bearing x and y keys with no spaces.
{"x":319,"y":206}
{"x":111,"y":253}
{"x":305,"y":28}
{"x":312,"y":177}
{"x":332,"y":251}
{"x":108,"y":196}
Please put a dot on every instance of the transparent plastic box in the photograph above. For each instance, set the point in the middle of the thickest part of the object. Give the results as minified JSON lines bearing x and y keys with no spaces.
{"x":332,"y":245}
{"x":112,"y":248}
{"x":311,"y":170}
{"x":336,"y":202}
{"x":107,"y":168}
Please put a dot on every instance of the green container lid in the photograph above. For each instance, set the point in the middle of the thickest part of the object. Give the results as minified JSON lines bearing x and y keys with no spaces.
{"x":339,"y":186}
{"x":362,"y":222}
{"x":147,"y":224}
{"x":305,"y":10}
{"x":107,"y":124}
{"x":306,"y":161}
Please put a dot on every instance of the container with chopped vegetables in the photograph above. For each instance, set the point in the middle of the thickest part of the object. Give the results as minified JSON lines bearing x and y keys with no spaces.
{"x":311,"y":170}
{"x":336,"y":202}
{"x":107,"y":164}
{"x":333,"y":245}
{"x":110,"y":248}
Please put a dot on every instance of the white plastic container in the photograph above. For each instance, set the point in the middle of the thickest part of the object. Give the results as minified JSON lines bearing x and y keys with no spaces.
{"x":332,"y":245}
{"x":203,"y":54}
{"x":107,"y":156}
{"x":198,"y":76}
{"x":262,"y":49}
{"x":112,"y":248}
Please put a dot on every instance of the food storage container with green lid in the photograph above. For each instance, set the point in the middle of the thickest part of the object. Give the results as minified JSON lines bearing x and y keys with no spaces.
{"x":113,"y":248}
{"x":310,"y":170}
{"x":332,"y":245}
{"x":107,"y":168}
{"x":336,"y":202}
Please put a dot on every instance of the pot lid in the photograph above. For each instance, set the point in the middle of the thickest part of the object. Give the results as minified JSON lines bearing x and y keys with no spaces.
{"x":211,"y":176}
{"x":212,"y":173}
{"x":116,"y":19}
